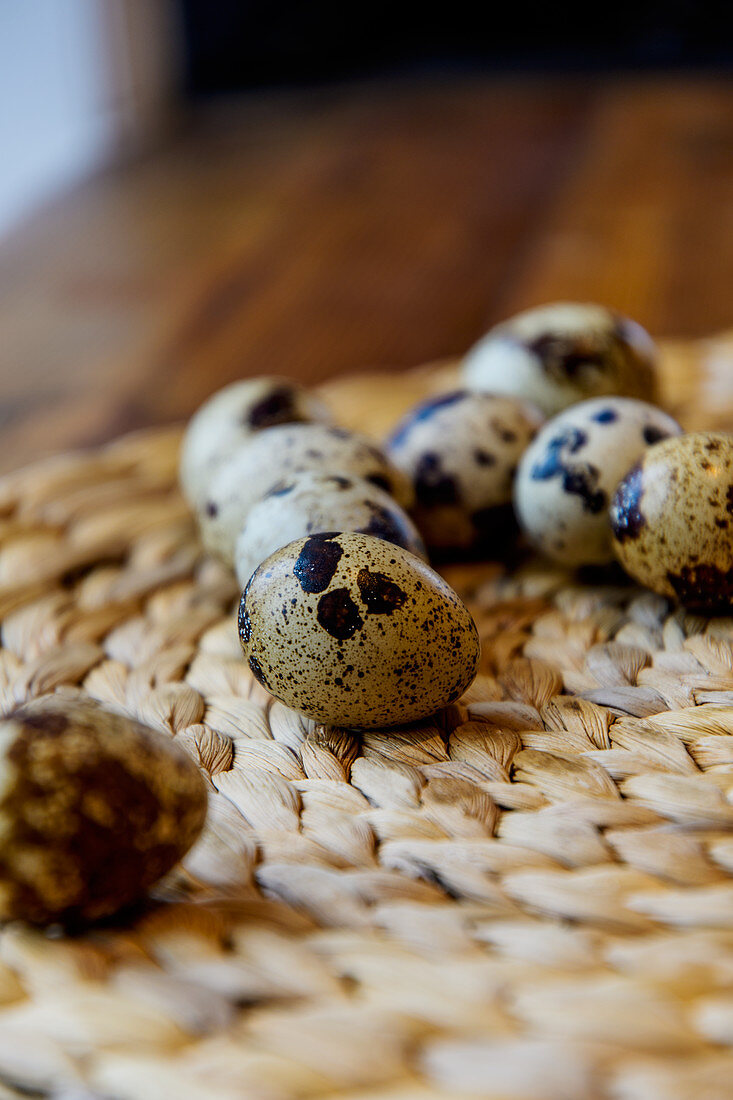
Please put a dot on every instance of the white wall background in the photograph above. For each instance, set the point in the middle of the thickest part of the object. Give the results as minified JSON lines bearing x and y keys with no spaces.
{"x":80,"y":80}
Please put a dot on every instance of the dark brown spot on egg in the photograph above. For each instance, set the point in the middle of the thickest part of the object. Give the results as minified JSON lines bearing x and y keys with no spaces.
{"x":627,"y":518}
{"x":338,"y":614}
{"x":654,"y":434}
{"x":381,"y":595}
{"x":704,"y":588}
{"x":565,"y":357}
{"x":506,"y":435}
{"x":211,"y":509}
{"x":578,"y":478}
{"x":257,"y":672}
{"x":433,"y":487}
{"x":388,"y":526}
{"x":380,"y":481}
{"x":277,"y":408}
{"x":317,"y":562}
{"x":244,"y":623}
{"x":53,"y":724}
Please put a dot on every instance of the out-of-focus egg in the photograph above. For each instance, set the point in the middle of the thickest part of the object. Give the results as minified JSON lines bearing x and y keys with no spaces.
{"x":232,"y":415}
{"x":672,"y":520}
{"x":94,"y":808}
{"x":461,"y":452}
{"x":568,"y":474}
{"x":271,"y":459}
{"x":310,"y":503}
{"x":558,"y":354}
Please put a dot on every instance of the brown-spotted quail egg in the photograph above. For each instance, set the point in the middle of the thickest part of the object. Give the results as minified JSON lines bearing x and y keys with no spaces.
{"x":309,"y":503}
{"x":558,"y":354}
{"x":94,"y":808}
{"x":353,"y":631}
{"x":672,"y":520}
{"x":271,"y":458}
{"x":461,"y":451}
{"x":235,"y":413}
{"x":568,"y":474}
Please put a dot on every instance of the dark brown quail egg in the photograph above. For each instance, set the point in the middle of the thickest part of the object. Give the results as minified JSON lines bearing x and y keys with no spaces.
{"x":271,"y":458}
{"x":558,"y":354}
{"x":94,"y":808}
{"x":308,"y":503}
{"x":461,"y":451}
{"x":672,"y":520}
{"x":355,"y":632}
{"x":566,"y":477}
{"x":232,"y":415}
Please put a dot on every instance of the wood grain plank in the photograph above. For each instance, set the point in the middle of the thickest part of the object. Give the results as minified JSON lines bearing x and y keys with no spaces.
{"x":380,"y":224}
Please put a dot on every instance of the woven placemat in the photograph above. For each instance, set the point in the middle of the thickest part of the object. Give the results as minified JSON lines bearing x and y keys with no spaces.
{"x":529,"y":898}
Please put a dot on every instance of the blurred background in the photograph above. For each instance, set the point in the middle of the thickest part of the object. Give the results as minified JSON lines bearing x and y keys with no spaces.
{"x":195,"y":190}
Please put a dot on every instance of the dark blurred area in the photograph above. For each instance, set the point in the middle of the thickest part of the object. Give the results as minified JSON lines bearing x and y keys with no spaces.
{"x":230,"y":45}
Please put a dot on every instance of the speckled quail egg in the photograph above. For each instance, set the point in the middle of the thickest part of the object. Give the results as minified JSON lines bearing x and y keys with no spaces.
{"x":271,"y":458}
{"x":309,"y":503}
{"x":558,"y":354}
{"x":355,"y":632}
{"x":461,"y":452}
{"x":94,"y":808}
{"x":235,"y":413}
{"x":567,"y":475}
{"x":672,"y":520}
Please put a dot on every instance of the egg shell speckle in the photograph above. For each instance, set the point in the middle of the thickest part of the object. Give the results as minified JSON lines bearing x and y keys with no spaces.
{"x":94,"y":808}
{"x":308,"y":503}
{"x":672,"y":520}
{"x":355,"y":632}
{"x":567,"y":476}
{"x":561,"y":353}
{"x":271,"y":459}
{"x":461,"y":451}
{"x":233,"y":415}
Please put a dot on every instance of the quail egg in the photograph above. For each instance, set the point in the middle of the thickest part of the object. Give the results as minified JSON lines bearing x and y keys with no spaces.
{"x":270,"y":460}
{"x":94,"y":808}
{"x":461,"y":451}
{"x":355,"y":632}
{"x":232,"y":415}
{"x":567,"y":475}
{"x":309,"y":503}
{"x":672,"y":520}
{"x":558,"y":354}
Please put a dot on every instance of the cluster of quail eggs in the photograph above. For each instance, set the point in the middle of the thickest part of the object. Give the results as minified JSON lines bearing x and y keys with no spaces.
{"x":610,"y":476}
{"x":341,"y":617}
{"x":554,"y":435}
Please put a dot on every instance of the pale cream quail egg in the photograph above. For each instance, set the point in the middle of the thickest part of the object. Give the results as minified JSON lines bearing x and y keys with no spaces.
{"x":568,"y":474}
{"x":672,"y":520}
{"x":271,"y":458}
{"x":353,"y":631}
{"x":235,"y":413}
{"x":558,"y":354}
{"x":309,"y":503}
{"x":94,"y":808}
{"x":461,"y":451}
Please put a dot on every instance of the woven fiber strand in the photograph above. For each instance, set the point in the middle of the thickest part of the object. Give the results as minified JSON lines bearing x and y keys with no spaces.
{"x":527,"y":898}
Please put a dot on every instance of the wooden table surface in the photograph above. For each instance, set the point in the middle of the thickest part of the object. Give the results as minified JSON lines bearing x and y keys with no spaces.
{"x":385,"y":224}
